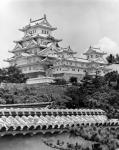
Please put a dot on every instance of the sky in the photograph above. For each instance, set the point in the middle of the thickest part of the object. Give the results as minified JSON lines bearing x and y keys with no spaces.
{"x":80,"y":23}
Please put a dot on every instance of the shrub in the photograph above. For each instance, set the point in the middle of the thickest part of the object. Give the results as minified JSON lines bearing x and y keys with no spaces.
{"x":59,"y":81}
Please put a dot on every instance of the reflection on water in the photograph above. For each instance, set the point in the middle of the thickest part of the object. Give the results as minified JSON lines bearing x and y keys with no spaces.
{"x":23,"y":143}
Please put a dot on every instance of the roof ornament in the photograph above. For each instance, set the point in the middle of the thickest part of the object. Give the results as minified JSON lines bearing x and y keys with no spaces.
{"x":69,"y":48}
{"x":90,"y":47}
{"x":45,"y":16}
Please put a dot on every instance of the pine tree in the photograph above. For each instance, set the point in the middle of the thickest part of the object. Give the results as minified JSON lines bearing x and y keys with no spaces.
{"x":110,"y":59}
{"x":12,"y":75}
{"x":117,"y":58}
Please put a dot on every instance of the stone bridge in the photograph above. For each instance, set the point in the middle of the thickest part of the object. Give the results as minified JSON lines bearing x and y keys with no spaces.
{"x":34,"y":120}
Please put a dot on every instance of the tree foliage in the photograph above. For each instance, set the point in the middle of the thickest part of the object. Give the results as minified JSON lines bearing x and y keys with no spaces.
{"x":110,"y":59}
{"x":73,"y":80}
{"x":112,"y":77}
{"x":95,"y":93}
{"x":117,"y":58}
{"x":12,"y":75}
{"x":59,"y":81}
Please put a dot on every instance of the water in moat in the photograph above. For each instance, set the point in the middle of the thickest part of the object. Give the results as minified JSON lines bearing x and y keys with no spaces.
{"x":23,"y":143}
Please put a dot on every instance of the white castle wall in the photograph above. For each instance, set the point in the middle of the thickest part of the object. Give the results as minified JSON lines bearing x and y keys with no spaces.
{"x":40,"y":80}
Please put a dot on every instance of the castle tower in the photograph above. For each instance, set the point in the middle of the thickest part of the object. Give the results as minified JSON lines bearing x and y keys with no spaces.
{"x":96,"y":62}
{"x":93,"y":53}
{"x":32,"y":51}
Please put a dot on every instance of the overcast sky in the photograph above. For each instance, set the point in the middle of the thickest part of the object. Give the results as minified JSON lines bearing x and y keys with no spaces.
{"x":80,"y":23}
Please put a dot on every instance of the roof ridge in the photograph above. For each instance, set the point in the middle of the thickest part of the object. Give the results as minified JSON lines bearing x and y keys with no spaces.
{"x":44,"y":17}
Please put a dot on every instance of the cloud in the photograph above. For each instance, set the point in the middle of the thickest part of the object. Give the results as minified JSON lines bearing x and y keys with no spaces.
{"x":107,"y":45}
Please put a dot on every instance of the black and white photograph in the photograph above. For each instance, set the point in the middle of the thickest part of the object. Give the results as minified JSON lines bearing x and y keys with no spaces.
{"x":59,"y":74}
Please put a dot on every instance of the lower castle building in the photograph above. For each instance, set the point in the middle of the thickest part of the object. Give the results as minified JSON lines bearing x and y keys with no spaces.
{"x":40,"y":57}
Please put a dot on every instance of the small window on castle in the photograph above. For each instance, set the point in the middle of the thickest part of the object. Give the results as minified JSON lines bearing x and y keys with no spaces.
{"x":34,"y":31}
{"x":24,"y":69}
{"x":42,"y":31}
{"x":34,"y":59}
{"x":30,"y":68}
{"x":45,"y":43}
{"x":78,"y":70}
{"x":30,"y":32}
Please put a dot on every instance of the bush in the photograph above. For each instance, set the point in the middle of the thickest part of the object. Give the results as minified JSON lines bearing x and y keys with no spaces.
{"x":32,"y":94}
{"x":73,"y":80}
{"x":59,"y":82}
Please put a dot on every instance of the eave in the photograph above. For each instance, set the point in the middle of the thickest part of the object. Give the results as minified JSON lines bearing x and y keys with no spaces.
{"x":64,"y":65}
{"x":88,"y":53}
{"x":29,"y":64}
{"x":9,"y":60}
{"x":37,"y":36}
{"x":27,"y":48}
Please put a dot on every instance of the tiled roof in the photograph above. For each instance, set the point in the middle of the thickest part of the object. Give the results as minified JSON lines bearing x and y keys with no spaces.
{"x":28,"y":119}
{"x":94,"y":49}
{"x":38,"y":22}
{"x":99,"y":60}
{"x":43,"y":21}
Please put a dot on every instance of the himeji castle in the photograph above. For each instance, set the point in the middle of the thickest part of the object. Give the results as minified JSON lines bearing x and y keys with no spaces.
{"x":40,"y":57}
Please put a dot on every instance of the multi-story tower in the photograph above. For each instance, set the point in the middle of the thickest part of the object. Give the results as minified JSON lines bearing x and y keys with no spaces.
{"x":32,"y":52}
{"x":96,"y":61}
